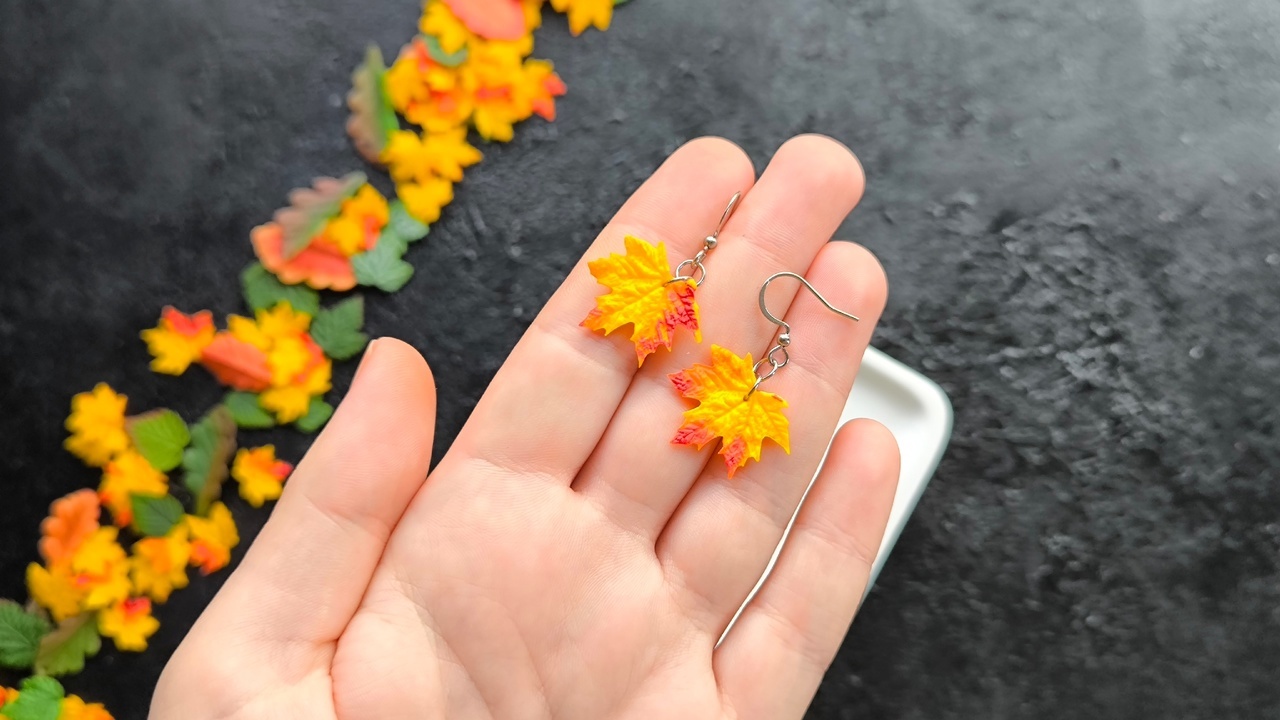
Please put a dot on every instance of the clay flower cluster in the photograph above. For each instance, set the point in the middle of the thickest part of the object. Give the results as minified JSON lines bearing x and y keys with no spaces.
{"x":278,"y":363}
{"x":107,"y":556}
{"x":468,"y":68}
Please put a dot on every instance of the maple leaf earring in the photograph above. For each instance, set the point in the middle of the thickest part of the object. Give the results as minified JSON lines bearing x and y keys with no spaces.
{"x":645,"y":293}
{"x":731,"y":405}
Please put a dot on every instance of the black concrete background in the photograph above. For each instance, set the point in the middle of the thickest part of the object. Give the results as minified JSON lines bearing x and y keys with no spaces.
{"x":1076,"y":202}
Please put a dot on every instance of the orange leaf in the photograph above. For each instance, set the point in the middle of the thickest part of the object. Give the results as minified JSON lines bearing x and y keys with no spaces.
{"x":491,"y":19}
{"x":725,"y":411}
{"x":641,"y":294}
{"x":236,"y":363}
{"x":71,"y":521}
{"x":319,"y":265}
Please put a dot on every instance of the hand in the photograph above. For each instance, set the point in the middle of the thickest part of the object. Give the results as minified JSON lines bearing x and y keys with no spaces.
{"x":565,"y":560}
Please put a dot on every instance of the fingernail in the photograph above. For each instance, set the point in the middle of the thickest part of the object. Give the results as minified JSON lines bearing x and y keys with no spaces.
{"x":364,"y":361}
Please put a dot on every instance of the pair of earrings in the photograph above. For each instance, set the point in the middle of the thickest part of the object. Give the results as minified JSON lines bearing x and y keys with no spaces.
{"x":656,"y":302}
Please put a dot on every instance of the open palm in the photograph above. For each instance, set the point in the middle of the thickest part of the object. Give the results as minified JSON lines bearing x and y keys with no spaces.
{"x":565,"y":560}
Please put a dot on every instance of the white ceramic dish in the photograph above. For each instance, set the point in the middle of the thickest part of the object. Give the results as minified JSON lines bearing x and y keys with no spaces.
{"x":918,"y":413}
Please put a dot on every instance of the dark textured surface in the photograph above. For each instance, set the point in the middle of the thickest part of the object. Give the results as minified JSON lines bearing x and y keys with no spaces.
{"x":1077,"y":204}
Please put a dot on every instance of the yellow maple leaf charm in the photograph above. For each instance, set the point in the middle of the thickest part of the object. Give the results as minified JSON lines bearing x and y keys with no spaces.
{"x":726,"y":411}
{"x":642,"y":294}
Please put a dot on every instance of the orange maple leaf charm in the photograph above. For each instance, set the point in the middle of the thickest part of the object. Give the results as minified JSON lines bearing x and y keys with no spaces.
{"x":727,"y":409}
{"x":642,"y":294}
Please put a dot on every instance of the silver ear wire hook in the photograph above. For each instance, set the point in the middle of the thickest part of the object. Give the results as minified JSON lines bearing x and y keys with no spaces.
{"x":778,"y":357}
{"x":699,"y":273}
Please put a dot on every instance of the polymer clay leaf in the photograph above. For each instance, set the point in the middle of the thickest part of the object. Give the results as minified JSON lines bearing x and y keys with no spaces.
{"x":155,"y":515}
{"x":382,"y":267}
{"x":725,"y":411}
{"x":213,"y":440}
{"x":337,"y":329}
{"x":160,"y":436}
{"x":438,"y":55}
{"x":372,"y":118}
{"x":39,"y":698}
{"x":318,"y":413}
{"x":262,"y":291}
{"x":403,"y":225}
{"x":20,"y":634}
{"x":641,"y":294}
{"x":310,"y":208}
{"x":63,"y":651}
{"x":247,"y":411}
{"x":491,"y":19}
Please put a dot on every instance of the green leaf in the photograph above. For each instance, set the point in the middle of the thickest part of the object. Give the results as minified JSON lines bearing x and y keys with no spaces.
{"x":159,"y":435}
{"x":438,"y":55}
{"x":39,"y":698}
{"x":318,"y":414}
{"x":372,"y":118}
{"x":404,"y":225}
{"x":247,"y":412}
{"x":213,"y":439}
{"x":63,"y":651}
{"x":382,"y":267}
{"x":155,"y":515}
{"x":20,"y":634}
{"x":337,"y":329}
{"x":310,"y":208}
{"x":262,"y":291}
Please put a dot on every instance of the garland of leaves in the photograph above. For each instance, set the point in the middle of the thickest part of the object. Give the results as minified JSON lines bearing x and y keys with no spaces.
{"x":467,"y":69}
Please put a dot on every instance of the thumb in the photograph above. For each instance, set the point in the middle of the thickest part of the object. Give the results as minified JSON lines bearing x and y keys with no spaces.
{"x":303,"y":578}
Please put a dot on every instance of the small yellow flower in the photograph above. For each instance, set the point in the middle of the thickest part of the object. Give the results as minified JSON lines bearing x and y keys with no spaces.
{"x":97,"y":426}
{"x":367,"y":204}
{"x":290,"y":402}
{"x":75,"y":708}
{"x":178,"y":340}
{"x":415,"y":158}
{"x":129,"y":623}
{"x":585,"y":13}
{"x":425,"y":200}
{"x":282,"y":321}
{"x":212,"y":538}
{"x":129,"y":473}
{"x":260,"y":475}
{"x":288,"y":358}
{"x":101,"y":567}
{"x":55,"y":590}
{"x":287,"y":403}
{"x":247,"y":330}
{"x":345,"y":233}
{"x":159,"y":564}
{"x":7,"y":695}
{"x":428,"y":94}
{"x":358,"y":224}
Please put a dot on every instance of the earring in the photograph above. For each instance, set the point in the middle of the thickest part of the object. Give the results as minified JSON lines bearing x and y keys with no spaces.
{"x":731,"y":405}
{"x":644,"y":293}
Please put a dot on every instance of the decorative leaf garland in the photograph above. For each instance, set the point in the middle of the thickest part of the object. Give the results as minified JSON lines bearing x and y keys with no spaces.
{"x":468,"y":69}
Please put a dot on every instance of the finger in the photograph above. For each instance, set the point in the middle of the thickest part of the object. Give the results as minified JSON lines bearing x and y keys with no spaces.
{"x":548,"y":405}
{"x":809,"y":188}
{"x":304,"y":576}
{"x":770,"y":663}
{"x":721,"y":537}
